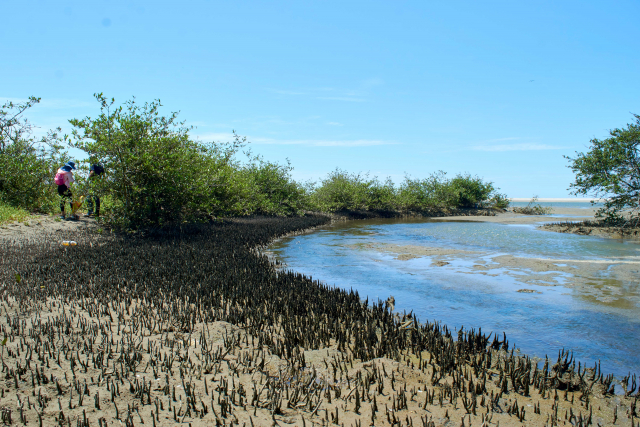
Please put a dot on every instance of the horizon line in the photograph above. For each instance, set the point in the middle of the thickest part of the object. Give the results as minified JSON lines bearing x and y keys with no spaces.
{"x":555,"y":199}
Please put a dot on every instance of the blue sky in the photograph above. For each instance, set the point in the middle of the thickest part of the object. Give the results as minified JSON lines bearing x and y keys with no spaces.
{"x":498,"y":89}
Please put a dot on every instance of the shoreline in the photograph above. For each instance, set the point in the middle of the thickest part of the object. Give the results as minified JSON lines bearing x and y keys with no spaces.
{"x":170,"y":352}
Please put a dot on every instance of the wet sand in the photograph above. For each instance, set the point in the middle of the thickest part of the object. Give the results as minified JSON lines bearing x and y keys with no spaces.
{"x":604,"y":282}
{"x":557,"y":215}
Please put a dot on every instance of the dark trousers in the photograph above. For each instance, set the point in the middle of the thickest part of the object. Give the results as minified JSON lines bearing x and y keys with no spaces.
{"x":65,"y":193}
{"x":93,"y":199}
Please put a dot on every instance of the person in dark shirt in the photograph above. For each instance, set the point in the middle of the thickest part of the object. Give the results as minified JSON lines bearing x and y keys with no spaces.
{"x":95,"y":172}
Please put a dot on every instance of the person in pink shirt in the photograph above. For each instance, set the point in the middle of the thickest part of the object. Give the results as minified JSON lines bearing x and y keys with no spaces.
{"x":64,"y":179}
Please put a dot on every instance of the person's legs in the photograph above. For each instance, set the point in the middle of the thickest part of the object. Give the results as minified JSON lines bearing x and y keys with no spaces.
{"x":93,"y":201}
{"x":62,"y":189}
{"x":65,"y":193}
{"x":90,"y":205}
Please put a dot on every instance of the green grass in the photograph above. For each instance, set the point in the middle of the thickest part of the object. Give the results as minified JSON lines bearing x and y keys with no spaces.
{"x":9,"y":213}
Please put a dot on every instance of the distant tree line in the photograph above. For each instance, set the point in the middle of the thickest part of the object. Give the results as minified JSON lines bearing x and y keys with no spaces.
{"x":157,"y":173}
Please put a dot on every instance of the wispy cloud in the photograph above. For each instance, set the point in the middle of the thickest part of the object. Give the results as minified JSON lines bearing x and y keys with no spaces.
{"x":357,"y":94}
{"x":215,"y":136}
{"x":286,"y":92}
{"x":54,"y":103}
{"x":356,"y":143}
{"x":511,"y":138}
{"x":369,"y":83}
{"x":322,"y":142}
{"x":225,"y":137}
{"x":334,"y":124}
{"x":341,"y":98}
{"x":516,"y":147}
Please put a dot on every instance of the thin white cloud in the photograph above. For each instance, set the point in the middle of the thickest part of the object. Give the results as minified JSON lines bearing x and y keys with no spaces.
{"x":368,"y":83}
{"x":321,"y":142}
{"x":516,"y":147}
{"x":334,"y":124}
{"x":61,"y":103}
{"x":226,"y":137}
{"x":341,"y":98}
{"x":511,"y":138}
{"x":215,"y":136}
{"x":286,"y":92}
{"x":356,"y":143}
{"x":6,"y":100}
{"x":53,"y":103}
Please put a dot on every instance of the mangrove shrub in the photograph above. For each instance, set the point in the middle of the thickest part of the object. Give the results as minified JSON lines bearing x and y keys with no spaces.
{"x":27,"y":164}
{"x":611,"y":170}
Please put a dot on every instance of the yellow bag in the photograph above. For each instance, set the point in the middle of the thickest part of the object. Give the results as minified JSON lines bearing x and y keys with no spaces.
{"x":76,"y":205}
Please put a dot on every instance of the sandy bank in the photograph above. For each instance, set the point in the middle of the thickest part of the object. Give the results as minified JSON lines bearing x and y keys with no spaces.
{"x":39,"y":225}
{"x":558,"y":214}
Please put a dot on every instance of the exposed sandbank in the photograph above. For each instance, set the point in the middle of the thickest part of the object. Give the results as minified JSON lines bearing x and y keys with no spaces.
{"x":557,"y":214}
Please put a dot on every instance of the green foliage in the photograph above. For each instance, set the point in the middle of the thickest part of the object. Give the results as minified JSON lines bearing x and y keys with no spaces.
{"x":273,"y":190}
{"x":611,"y":170}
{"x":439,"y":192}
{"x":497,"y":201}
{"x":154,"y":172}
{"x":9,"y":213}
{"x":468,"y":191}
{"x":27,"y":164}
{"x":157,"y":174}
{"x":423,"y":194}
{"x":382,"y":196}
{"x":344,"y":191}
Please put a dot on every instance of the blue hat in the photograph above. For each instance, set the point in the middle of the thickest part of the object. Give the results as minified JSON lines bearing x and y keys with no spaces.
{"x":70,"y":165}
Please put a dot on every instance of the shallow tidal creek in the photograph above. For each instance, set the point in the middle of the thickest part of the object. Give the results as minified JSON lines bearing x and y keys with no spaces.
{"x":545,"y":290}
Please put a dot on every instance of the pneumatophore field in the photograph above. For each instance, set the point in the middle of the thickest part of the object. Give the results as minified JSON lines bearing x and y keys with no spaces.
{"x":194,"y":326}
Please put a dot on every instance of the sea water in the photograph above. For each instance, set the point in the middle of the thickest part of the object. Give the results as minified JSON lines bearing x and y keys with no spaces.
{"x":540,"y":321}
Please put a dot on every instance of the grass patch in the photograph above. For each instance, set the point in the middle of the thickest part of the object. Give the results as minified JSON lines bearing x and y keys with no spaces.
{"x":10,"y":213}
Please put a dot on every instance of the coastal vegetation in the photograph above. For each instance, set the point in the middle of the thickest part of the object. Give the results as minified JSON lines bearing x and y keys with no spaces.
{"x":610,"y":170}
{"x":158,"y":174}
{"x":27,"y":164}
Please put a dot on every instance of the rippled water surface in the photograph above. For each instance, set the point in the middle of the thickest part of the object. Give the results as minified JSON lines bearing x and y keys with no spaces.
{"x":541,"y":320}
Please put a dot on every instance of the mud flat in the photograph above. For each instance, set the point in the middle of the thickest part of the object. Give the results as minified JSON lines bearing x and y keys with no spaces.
{"x":609,"y":275}
{"x":557,"y":214}
{"x":192,"y":327}
{"x":588,"y":230}
{"x":561,"y":220}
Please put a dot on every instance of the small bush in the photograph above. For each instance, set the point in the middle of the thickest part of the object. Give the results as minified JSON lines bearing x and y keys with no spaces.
{"x":533,"y":208}
{"x":273,"y":191}
{"x":341,"y":191}
{"x":466,"y":191}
